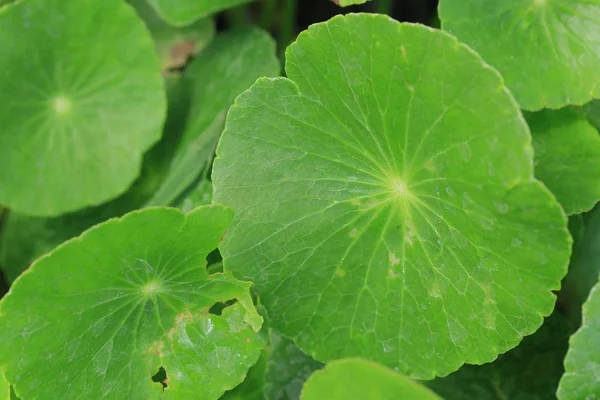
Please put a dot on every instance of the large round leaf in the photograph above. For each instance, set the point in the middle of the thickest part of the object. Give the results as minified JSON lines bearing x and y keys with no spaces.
{"x":83,"y":99}
{"x":547,"y":50}
{"x":360,"y":379}
{"x":99,"y":316}
{"x":385,"y":200}
{"x":582,"y":364}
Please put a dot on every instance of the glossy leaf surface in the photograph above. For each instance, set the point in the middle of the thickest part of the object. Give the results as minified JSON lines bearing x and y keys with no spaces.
{"x":366,"y":214}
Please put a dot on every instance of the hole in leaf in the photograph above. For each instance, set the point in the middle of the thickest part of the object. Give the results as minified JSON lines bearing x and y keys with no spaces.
{"x":161,"y":377}
{"x":218,"y":308}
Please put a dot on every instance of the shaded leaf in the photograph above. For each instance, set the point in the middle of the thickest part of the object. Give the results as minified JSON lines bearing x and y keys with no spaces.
{"x":366,"y":213}
{"x":174,"y":46}
{"x":184,"y":12}
{"x":582,"y":364}
{"x":531,"y":371}
{"x":287,"y":369}
{"x":214,"y":79}
{"x":567,"y":150}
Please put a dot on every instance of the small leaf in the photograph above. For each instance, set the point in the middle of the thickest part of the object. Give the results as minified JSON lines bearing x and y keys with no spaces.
{"x":214,"y":79}
{"x":184,"y":12}
{"x":582,"y":363}
{"x":361,"y":379}
{"x":593,"y":113}
{"x":174,"y":46}
{"x":546,"y":50}
{"x":530,"y":371}
{"x":385,"y":200}
{"x":82,"y":103}
{"x":127,"y":301}
{"x":346,"y":3}
{"x":567,"y":150}
{"x":287,"y":369}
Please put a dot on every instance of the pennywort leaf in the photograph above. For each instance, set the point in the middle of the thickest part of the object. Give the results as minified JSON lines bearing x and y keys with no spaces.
{"x":124,"y":311}
{"x":567,"y":150}
{"x":75,"y":122}
{"x":360,"y":379}
{"x":582,"y":363}
{"x":366,"y":213}
{"x":184,"y":12}
{"x":546,"y":50}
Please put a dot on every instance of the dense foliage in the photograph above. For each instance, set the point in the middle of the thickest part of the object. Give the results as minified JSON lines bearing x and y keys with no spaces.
{"x":272,"y":200}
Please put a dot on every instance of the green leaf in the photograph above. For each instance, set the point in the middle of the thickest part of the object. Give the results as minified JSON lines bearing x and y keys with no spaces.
{"x":593,"y":113}
{"x":531,"y":371}
{"x":287,"y":369}
{"x":4,"y":388}
{"x":83,"y":102}
{"x":174,"y":46}
{"x":346,"y":3}
{"x":25,"y":238}
{"x":215,"y":78}
{"x":184,"y":12}
{"x":385,"y":201}
{"x":361,"y":379}
{"x":201,"y":195}
{"x":567,"y":150}
{"x":582,"y":364}
{"x":102,"y":313}
{"x":546,"y":50}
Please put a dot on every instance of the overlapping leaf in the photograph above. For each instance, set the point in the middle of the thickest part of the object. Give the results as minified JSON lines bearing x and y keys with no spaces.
{"x":384,"y":198}
{"x":185,"y":12}
{"x":582,"y":364}
{"x":529,"y":372}
{"x":174,"y":45}
{"x":360,"y":379}
{"x":567,"y":154}
{"x":548,"y":51}
{"x":215,"y":78}
{"x":102,"y":313}
{"x":583,"y":270}
{"x":287,"y":369}
{"x":81,"y":103}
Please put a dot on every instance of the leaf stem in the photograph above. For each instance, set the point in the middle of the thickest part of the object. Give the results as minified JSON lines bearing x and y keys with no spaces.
{"x":288,"y":26}
{"x":236,"y":17}
{"x":268,"y":14}
{"x":385,"y":6}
